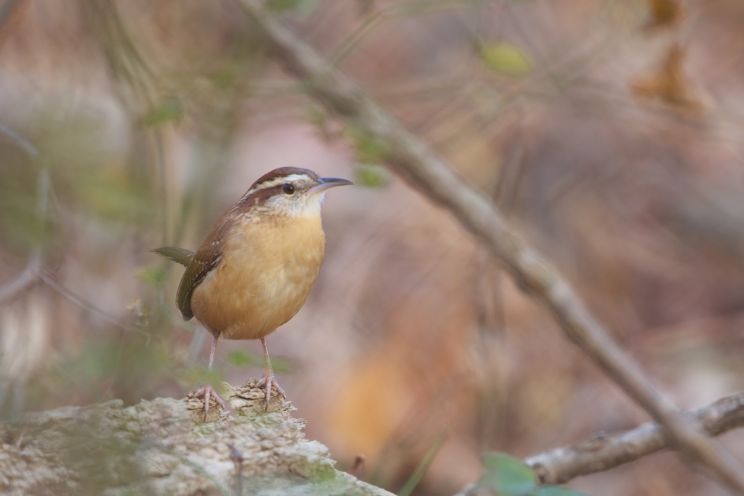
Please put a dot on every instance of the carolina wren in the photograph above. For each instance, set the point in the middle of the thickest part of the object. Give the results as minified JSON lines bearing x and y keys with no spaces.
{"x":254,"y":270}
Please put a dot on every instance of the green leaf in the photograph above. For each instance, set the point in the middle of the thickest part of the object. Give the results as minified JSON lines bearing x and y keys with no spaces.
{"x":170,"y":109}
{"x":240,"y":358}
{"x":555,"y":491}
{"x":304,"y":6}
{"x":506,"y":58}
{"x":422,"y":468}
{"x":194,"y":376}
{"x":369,"y":149}
{"x":281,"y":365}
{"x":507,"y":476}
{"x":152,"y":275}
{"x":371,"y":176}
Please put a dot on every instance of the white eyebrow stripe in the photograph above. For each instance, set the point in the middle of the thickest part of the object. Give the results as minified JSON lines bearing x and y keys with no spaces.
{"x":279,"y":180}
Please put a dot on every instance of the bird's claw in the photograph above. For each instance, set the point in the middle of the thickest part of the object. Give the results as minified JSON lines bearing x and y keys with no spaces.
{"x":268,"y":382}
{"x":208,"y":392}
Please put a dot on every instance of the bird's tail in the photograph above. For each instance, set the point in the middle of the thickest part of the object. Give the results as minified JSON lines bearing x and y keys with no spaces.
{"x":178,"y":255}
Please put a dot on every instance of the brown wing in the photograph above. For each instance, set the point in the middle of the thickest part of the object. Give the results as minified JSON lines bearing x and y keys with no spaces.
{"x":207,"y":258}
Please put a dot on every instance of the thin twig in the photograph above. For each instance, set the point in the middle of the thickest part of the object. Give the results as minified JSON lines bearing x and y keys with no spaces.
{"x":417,"y":163}
{"x":29,"y":274}
{"x":25,"y":279}
{"x":605,"y":452}
{"x":77,"y":300}
{"x":237,"y":458}
{"x":20,"y":141}
{"x":393,"y":11}
{"x":11,"y":13}
{"x":357,"y":469}
{"x":422,"y":468}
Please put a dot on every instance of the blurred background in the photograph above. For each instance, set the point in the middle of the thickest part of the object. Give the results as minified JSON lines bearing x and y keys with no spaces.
{"x":608,"y":131}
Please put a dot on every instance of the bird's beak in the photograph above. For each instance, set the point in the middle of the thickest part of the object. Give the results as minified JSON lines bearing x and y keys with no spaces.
{"x":325,"y":183}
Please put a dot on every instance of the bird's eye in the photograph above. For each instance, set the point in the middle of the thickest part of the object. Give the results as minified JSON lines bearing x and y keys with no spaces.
{"x":288,"y":188}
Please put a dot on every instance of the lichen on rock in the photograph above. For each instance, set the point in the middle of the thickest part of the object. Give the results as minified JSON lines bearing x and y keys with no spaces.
{"x":163,"y":446}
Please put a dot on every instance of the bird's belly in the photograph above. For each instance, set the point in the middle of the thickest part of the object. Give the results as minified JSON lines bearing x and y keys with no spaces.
{"x":256,"y":289}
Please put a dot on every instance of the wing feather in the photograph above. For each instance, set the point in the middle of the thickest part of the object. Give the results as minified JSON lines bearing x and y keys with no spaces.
{"x":178,"y":255}
{"x":206,"y":259}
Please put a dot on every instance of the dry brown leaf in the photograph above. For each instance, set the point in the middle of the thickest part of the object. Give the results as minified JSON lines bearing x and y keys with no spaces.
{"x":668,"y":83}
{"x":663,"y":14}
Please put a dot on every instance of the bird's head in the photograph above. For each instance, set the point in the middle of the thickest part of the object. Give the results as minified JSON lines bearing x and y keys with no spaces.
{"x":289,"y":191}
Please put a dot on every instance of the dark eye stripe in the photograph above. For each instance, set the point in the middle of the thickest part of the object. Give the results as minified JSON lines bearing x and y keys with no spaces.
{"x":260,"y":196}
{"x":273,"y":182}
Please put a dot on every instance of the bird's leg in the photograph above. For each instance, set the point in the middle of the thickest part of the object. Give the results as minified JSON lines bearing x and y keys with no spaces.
{"x":207,"y":391}
{"x":268,"y":378}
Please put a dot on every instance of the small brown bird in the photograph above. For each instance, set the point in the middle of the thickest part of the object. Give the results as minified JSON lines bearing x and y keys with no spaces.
{"x":254,"y":270}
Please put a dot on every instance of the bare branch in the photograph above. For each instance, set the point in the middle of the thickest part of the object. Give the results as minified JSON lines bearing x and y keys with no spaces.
{"x":77,"y":300}
{"x":25,"y":279}
{"x":20,"y":141}
{"x":30,"y":273}
{"x":605,"y":452}
{"x":424,"y":169}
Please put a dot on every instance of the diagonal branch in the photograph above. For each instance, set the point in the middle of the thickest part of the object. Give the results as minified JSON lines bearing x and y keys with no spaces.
{"x":425,"y":170}
{"x":605,"y":452}
{"x":29,"y":275}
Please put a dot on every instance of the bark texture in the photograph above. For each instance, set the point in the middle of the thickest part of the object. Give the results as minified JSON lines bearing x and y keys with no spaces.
{"x":162,"y":446}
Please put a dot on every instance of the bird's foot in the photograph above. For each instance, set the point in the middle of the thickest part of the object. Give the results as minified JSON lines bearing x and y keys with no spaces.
{"x":268,"y":381}
{"x":274,"y":384}
{"x":207,"y":393}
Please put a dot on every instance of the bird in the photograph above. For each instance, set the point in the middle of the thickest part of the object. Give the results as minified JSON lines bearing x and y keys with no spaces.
{"x":255,"y":268}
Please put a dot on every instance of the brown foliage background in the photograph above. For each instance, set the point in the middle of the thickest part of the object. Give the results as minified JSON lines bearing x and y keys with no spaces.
{"x":609,"y":131}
